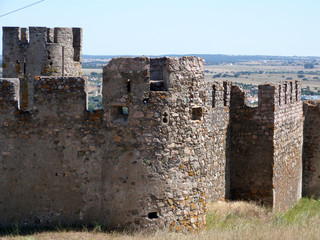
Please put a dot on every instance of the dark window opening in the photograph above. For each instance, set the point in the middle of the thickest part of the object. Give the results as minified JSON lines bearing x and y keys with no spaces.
{"x":152,"y":215}
{"x":156,"y":74}
{"x":156,"y":68}
{"x":128,"y":85}
{"x":225,"y":94}
{"x":76,"y":44}
{"x":119,"y":114}
{"x":24,"y":66}
{"x":196,"y":113}
{"x":213,"y":96}
{"x":62,"y":61}
{"x":145,"y":101}
{"x":165,"y":118}
{"x":279,"y":95}
{"x":55,"y":35}
{"x":157,"y":86}
{"x":285,"y":93}
{"x":48,"y":53}
{"x":291,"y":91}
{"x":296,"y":92}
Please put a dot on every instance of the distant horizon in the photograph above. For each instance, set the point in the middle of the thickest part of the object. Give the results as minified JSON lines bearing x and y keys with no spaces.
{"x":189,"y":54}
{"x":194,"y":54}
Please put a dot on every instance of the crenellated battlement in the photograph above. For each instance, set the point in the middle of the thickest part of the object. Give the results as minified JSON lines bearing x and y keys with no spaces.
{"x":271,"y":96}
{"x":40,"y":51}
{"x":43,"y":35}
{"x":287,"y":93}
{"x":263,"y":139}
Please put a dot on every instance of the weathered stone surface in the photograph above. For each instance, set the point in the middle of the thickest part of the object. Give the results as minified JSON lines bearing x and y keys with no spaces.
{"x":266,"y":145}
{"x":155,"y":143}
{"x":40,"y":51}
{"x":311,"y":150}
{"x":124,"y":166}
{"x":165,"y":143}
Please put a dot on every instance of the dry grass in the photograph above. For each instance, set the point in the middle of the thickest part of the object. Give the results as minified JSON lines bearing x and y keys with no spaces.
{"x":235,"y":220}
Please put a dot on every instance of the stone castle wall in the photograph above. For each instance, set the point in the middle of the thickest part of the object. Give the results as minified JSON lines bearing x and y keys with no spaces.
{"x":50,"y":172}
{"x":154,"y":144}
{"x":311,"y":149}
{"x":40,"y":51}
{"x":266,"y":145}
{"x":218,"y":172}
{"x":145,"y":160}
{"x":154,"y":156}
{"x":288,"y":141}
{"x":165,"y":143}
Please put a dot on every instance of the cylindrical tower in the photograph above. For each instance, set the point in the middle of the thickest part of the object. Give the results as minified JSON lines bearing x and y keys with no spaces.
{"x":157,"y":113}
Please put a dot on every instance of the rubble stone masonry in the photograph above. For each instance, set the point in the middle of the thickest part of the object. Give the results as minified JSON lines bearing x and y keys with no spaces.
{"x":165,"y":143}
{"x":311,"y":149}
{"x":40,"y":51}
{"x":145,"y":160}
{"x":266,"y":145}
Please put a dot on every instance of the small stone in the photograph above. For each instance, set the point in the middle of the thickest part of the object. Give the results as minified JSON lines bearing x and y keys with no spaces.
{"x":6,"y":153}
{"x":92,"y":148}
{"x":138,"y":115}
{"x":172,"y":145}
{"x":193,"y":206}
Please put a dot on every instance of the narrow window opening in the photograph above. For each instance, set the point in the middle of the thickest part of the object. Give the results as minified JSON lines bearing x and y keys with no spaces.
{"x":24,"y":67}
{"x":152,"y":215}
{"x":55,"y":35}
{"x":62,"y":61}
{"x":76,"y":44}
{"x":279,"y":95}
{"x":291,"y":91}
{"x":296,"y":92}
{"x":213,"y":96}
{"x":128,"y":85}
{"x":285,"y":93}
{"x":196,"y":113}
{"x":225,"y":94}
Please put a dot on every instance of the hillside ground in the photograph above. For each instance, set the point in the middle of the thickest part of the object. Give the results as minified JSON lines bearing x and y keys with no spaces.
{"x":225,"y":220}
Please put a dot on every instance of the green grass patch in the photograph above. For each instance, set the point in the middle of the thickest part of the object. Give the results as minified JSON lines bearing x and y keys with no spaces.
{"x":306,"y":210}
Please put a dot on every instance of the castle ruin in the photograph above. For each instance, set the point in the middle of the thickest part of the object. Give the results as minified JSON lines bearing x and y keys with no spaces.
{"x":165,"y":143}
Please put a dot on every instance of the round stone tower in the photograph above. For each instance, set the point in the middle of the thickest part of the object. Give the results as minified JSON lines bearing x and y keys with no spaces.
{"x":158,"y":115}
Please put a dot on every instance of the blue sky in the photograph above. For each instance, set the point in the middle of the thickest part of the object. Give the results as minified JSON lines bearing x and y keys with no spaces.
{"x":150,"y":27}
